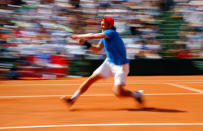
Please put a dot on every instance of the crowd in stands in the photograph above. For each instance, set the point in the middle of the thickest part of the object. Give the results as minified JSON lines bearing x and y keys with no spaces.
{"x":151,"y":29}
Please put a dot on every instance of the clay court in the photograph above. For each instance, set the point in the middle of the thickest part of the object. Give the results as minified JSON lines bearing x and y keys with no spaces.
{"x":172,"y":103}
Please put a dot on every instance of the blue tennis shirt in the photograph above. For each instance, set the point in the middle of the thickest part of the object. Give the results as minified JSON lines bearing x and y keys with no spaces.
{"x":114,"y":47}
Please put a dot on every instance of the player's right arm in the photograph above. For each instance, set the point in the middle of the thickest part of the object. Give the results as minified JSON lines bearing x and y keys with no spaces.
{"x":93,"y":47}
{"x":96,"y":48}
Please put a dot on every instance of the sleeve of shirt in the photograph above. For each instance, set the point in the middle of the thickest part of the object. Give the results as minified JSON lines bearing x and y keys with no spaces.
{"x":101,"y":41}
{"x":108,"y":33}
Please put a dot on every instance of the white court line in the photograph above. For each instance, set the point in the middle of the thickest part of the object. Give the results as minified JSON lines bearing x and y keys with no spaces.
{"x":143,"y":80}
{"x":136,"y":82}
{"x":192,"y":82}
{"x":40,"y":96}
{"x":41,"y":84}
{"x":185,"y":87}
{"x":115,"y":124}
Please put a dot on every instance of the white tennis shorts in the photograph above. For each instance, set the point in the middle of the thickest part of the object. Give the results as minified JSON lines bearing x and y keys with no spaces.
{"x":119,"y":72}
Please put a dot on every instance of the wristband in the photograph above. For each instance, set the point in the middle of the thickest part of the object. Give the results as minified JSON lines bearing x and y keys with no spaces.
{"x":87,"y":44}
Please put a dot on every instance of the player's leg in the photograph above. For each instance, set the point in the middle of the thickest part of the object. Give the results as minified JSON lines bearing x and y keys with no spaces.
{"x":120,"y":91}
{"x":85,"y":85}
{"x":120,"y":76}
{"x":82,"y":89}
{"x":102,"y":72}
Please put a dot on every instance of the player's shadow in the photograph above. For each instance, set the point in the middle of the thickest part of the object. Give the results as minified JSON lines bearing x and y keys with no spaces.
{"x":154,"y":109}
{"x":147,"y":109}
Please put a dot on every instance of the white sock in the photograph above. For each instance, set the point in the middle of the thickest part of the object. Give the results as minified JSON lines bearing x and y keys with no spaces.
{"x":76,"y":95}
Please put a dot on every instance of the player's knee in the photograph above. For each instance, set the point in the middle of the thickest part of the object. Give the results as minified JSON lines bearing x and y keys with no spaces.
{"x":118,"y":92}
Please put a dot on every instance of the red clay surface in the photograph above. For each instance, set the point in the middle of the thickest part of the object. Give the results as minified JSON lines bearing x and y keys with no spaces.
{"x":173,"y":103}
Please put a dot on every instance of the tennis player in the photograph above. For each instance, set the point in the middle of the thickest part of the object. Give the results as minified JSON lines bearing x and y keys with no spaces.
{"x":116,"y":64}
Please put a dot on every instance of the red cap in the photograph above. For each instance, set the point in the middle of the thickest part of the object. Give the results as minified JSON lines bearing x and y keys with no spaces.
{"x":109,"y":20}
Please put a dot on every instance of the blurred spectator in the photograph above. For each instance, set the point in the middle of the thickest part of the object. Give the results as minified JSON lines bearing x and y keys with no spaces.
{"x":166,"y":5}
{"x":150,"y":28}
{"x":186,"y":53}
{"x":75,"y":3}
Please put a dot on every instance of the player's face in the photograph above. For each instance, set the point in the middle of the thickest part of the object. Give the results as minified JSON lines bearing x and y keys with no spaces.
{"x":105,"y":25}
